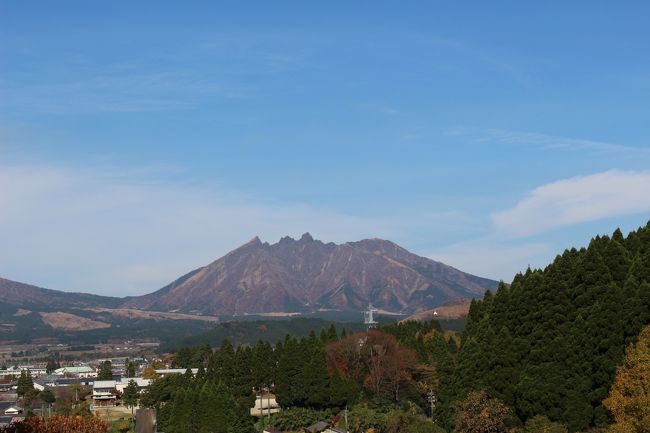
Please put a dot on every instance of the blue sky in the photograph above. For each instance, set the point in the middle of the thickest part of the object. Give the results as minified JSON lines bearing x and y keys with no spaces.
{"x":139,"y":140}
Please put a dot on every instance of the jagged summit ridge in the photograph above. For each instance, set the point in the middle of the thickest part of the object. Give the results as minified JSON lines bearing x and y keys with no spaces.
{"x":306,"y":275}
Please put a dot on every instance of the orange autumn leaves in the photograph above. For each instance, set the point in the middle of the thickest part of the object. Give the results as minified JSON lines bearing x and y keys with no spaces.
{"x":629,"y":399}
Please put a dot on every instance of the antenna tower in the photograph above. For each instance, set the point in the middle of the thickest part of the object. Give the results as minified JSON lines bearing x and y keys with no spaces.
{"x":368,"y":318}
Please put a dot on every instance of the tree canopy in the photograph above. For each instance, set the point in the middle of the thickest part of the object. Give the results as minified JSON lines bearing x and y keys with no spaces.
{"x":549,"y":343}
{"x":105,"y":371}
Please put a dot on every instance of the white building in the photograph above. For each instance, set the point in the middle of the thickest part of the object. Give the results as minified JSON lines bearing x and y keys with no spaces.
{"x":124,"y":382}
{"x":104,"y":393}
{"x":264,"y":405}
{"x":33,"y":370}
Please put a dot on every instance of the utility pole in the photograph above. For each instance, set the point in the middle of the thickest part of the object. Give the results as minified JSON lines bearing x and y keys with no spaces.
{"x":268,"y":402}
{"x":345,"y":415}
{"x":261,"y":398}
{"x":368,"y":319}
{"x":431,"y":398}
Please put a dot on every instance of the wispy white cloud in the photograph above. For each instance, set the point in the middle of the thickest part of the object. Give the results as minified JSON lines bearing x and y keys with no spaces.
{"x":576,"y":200}
{"x":544,"y":141}
{"x":185,"y":79}
{"x":554,"y":142}
{"x":111,"y":91}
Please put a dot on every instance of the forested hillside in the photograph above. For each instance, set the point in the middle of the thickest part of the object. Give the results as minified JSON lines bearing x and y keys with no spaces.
{"x":378,"y":375}
{"x":549,"y":344}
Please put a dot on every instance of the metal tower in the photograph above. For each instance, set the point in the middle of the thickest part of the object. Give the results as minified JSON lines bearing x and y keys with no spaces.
{"x":368,"y":318}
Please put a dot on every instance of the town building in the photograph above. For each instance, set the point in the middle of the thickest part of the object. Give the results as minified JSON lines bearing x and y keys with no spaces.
{"x":104,"y":393}
{"x":81,"y":371}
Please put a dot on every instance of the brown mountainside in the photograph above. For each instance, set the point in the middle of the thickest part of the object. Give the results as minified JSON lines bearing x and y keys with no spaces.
{"x":451,"y":311}
{"x":32,"y":297}
{"x":307,"y":275}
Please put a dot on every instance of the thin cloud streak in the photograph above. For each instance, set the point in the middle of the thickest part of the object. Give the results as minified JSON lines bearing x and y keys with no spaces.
{"x":576,"y":200}
{"x":554,"y":142}
{"x":544,"y":141}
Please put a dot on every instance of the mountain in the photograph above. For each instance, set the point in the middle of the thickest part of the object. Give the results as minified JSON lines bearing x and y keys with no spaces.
{"x":307,"y":275}
{"x":37,"y":298}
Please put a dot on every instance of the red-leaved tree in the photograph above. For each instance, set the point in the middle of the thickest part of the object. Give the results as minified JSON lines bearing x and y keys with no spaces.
{"x":375,"y":360}
{"x":58,"y":424}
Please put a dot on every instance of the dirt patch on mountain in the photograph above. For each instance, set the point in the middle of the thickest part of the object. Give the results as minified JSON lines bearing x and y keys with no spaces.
{"x":71,"y":322}
{"x":22,"y":312}
{"x":133,"y":313}
{"x":455,"y":311}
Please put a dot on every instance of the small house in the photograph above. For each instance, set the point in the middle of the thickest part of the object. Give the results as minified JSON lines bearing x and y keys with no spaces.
{"x":104,"y":393}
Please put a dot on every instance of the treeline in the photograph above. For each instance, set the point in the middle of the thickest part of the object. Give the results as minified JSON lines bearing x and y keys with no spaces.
{"x":376,"y":372}
{"x":248,"y":332}
{"x":549,"y":343}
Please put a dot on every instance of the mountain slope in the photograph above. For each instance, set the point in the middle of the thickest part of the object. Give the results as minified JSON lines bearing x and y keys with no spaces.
{"x":307,"y":275}
{"x":451,"y":311}
{"x":37,"y":298}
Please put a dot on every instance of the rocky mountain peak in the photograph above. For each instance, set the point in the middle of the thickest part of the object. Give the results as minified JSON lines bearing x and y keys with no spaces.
{"x":306,"y":275}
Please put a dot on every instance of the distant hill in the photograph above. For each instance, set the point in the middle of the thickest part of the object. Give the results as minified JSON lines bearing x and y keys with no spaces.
{"x":37,"y":298}
{"x":307,"y":275}
{"x":28,"y":312}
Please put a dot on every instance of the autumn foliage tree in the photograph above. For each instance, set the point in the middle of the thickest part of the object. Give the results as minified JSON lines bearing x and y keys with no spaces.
{"x":541,"y":424}
{"x":375,"y":360}
{"x":478,"y":413}
{"x":629,"y":399}
{"x":58,"y":424}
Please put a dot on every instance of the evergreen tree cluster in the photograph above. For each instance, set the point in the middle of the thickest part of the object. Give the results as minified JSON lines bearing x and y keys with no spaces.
{"x":25,"y":383}
{"x":549,"y":343}
{"x":219,"y":397}
{"x":52,"y":365}
{"x":299,"y":372}
{"x":105,"y":371}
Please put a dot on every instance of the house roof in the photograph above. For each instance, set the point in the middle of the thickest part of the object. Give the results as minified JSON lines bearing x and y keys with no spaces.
{"x":175,"y":370}
{"x":13,"y":410}
{"x":60,"y":381}
{"x":141,"y":382}
{"x":74,"y":370}
{"x":104,"y":384}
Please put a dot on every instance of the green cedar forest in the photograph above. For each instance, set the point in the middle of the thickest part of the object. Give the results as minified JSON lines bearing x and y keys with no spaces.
{"x":539,"y":355}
